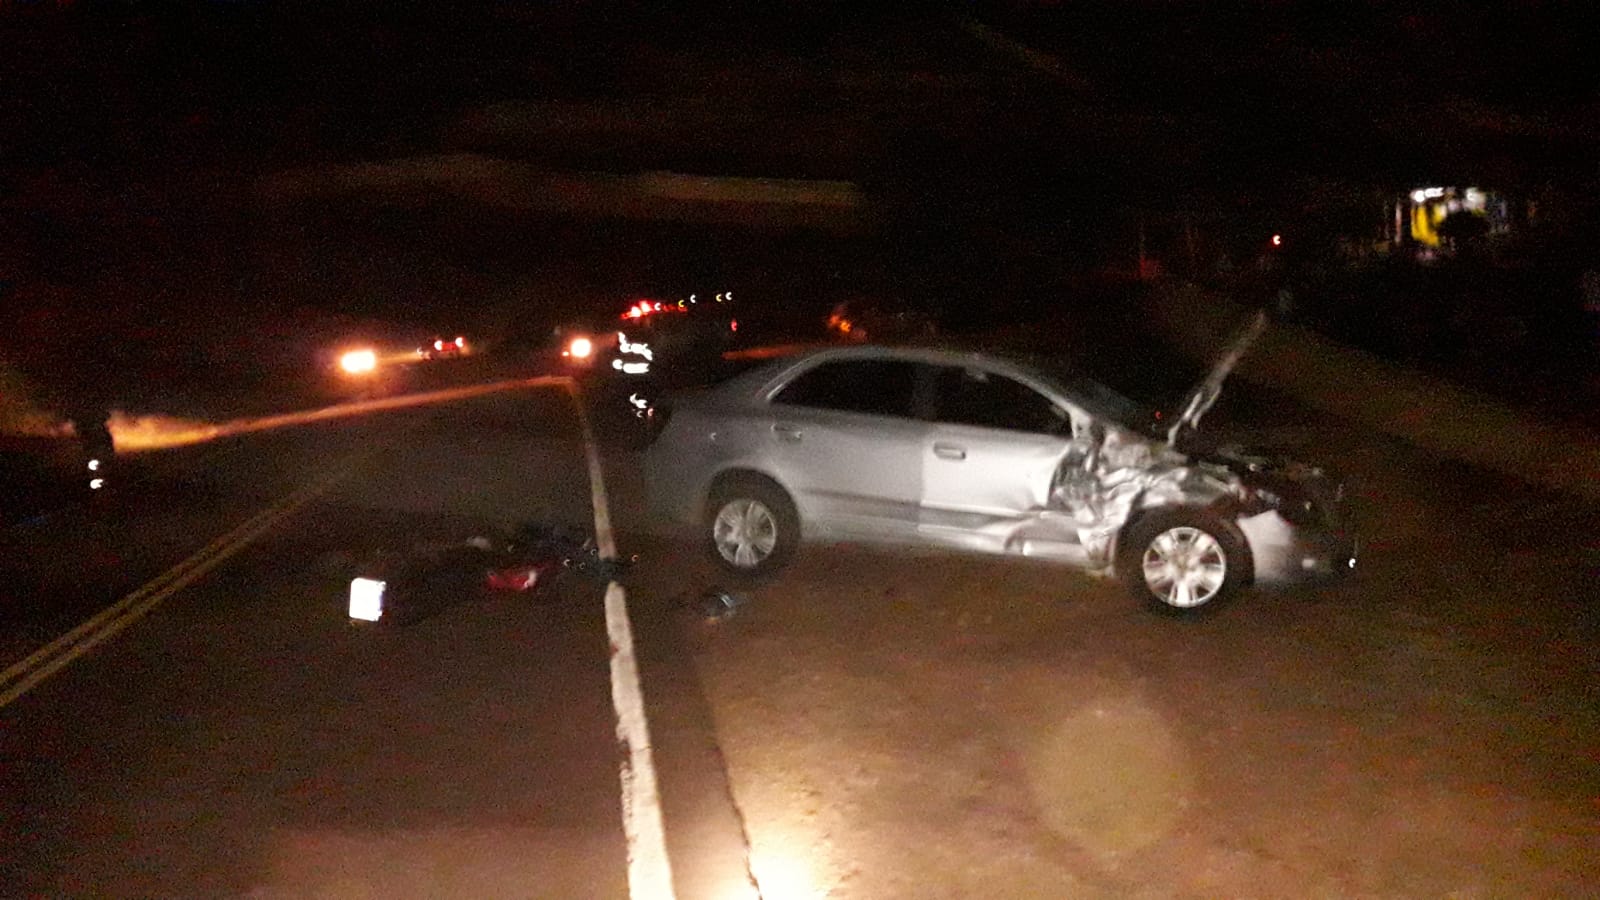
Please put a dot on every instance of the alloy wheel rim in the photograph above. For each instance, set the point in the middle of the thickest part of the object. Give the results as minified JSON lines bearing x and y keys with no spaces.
{"x":745,"y":532}
{"x":1184,"y":567}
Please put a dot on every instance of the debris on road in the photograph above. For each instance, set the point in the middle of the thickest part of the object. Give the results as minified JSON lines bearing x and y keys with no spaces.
{"x":407,"y":586}
{"x":717,"y":604}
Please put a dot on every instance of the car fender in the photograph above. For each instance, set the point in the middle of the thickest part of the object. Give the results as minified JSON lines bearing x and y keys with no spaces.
{"x":680,"y":492}
{"x":1198,"y":487}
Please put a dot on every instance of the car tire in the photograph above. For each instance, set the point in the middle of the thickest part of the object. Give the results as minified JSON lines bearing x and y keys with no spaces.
{"x":751,"y":529}
{"x":1184,"y":561}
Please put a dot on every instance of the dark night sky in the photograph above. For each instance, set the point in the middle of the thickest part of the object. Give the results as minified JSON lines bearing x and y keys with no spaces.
{"x":1268,"y":84}
{"x":129,"y":126}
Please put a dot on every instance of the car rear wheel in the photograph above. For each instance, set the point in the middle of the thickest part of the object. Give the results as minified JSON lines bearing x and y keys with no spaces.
{"x":1185,"y":561}
{"x":751,"y":527}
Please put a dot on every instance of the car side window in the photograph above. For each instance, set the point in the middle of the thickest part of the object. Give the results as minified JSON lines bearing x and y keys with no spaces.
{"x":972,"y":396}
{"x":874,"y":386}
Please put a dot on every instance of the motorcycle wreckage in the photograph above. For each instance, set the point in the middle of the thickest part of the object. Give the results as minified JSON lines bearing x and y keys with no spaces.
{"x":404,"y":587}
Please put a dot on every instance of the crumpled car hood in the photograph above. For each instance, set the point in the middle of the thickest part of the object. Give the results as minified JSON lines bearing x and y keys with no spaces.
{"x":1204,"y":395}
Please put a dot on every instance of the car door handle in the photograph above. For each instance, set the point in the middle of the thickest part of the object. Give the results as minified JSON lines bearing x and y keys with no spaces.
{"x":949,"y":451}
{"x":788,"y":433}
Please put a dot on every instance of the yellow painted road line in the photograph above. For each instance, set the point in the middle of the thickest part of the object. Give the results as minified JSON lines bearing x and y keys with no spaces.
{"x":28,"y":673}
{"x":21,"y":676}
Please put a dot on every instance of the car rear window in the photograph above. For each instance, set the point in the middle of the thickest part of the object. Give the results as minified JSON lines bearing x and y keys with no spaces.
{"x":874,"y":386}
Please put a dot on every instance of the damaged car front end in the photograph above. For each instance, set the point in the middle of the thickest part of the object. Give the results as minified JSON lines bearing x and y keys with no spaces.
{"x":1162,"y":514}
{"x":981,"y":453}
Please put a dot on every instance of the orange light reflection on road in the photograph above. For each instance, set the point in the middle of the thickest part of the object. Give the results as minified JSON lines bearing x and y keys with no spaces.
{"x":133,"y":434}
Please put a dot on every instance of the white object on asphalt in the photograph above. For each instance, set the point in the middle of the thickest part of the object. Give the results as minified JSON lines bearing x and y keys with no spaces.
{"x":366,"y":599}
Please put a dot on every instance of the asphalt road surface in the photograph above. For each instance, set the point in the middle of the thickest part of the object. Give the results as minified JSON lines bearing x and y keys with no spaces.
{"x":871,"y":724}
{"x":244,"y":737}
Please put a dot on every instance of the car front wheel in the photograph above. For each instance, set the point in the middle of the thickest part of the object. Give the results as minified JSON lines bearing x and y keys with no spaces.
{"x":1184,"y":561}
{"x":751,"y":527}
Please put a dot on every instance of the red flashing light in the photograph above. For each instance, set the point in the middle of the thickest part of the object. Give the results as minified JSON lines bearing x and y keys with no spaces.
{"x":643,"y":308}
{"x":733,"y":325}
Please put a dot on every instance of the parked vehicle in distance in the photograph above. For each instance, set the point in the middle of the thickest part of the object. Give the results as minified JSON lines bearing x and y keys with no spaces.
{"x":652,"y":338}
{"x":368,"y":358}
{"x":980,"y":453}
{"x":444,"y":348}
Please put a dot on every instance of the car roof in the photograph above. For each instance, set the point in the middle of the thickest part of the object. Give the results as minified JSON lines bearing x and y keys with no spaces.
{"x":756,"y":385}
{"x":757,"y":382}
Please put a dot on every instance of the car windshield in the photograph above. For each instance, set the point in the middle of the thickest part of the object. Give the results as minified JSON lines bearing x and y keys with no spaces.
{"x":1095,"y":397}
{"x":1103,"y":401}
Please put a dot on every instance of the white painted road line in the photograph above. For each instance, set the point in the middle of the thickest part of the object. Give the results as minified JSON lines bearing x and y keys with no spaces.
{"x":649,"y":869}
{"x":28,"y":673}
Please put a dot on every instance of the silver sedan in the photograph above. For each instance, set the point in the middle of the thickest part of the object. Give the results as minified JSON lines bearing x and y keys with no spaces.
{"x":979,"y":453}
